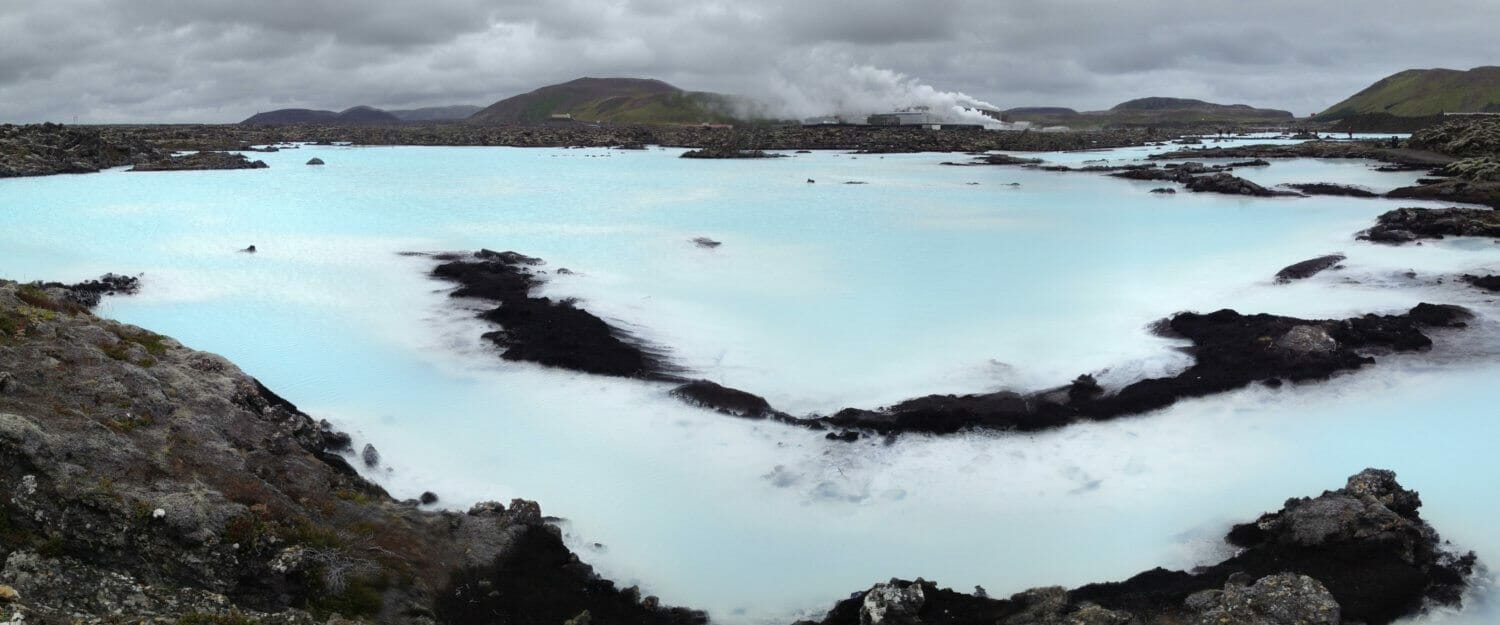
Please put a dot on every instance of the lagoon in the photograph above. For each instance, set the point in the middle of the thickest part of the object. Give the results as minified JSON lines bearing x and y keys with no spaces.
{"x":823,"y":295}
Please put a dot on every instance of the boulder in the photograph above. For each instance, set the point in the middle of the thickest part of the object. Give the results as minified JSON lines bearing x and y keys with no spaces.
{"x":1282,"y":599}
{"x":1408,"y":224}
{"x":706,"y":394}
{"x":1308,"y":268}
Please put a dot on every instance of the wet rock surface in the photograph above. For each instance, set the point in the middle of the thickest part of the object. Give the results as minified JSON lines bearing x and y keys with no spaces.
{"x":556,"y":333}
{"x":1405,"y":225}
{"x":201,"y":161}
{"x":1359,"y":554}
{"x":1308,"y":268}
{"x":147,"y":479}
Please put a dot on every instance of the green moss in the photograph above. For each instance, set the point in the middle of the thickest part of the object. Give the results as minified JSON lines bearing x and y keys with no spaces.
{"x":33,"y":295}
{"x":351,"y":495}
{"x":153,"y":343}
{"x":304,"y":532}
{"x":246,"y":531}
{"x":130,"y":422}
{"x":51,"y":547}
{"x":361,"y":597}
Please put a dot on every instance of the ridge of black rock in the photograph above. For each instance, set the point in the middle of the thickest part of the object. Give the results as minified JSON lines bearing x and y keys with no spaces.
{"x":556,"y":333}
{"x":1328,"y":188}
{"x":201,"y":161}
{"x":1359,"y":554}
{"x":1230,"y":351}
{"x":89,"y":293}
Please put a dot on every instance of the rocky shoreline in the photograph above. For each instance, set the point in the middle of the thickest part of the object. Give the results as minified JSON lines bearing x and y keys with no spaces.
{"x":200,"y":161}
{"x":48,"y":149}
{"x":542,"y":330}
{"x":1230,"y":351}
{"x":1359,"y":554}
{"x":149,"y":481}
{"x":872,"y":139}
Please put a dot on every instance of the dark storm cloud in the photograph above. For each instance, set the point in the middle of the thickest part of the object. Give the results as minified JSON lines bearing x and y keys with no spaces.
{"x":211,"y":60}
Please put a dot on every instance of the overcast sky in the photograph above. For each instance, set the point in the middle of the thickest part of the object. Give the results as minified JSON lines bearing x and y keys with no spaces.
{"x":221,"y":61}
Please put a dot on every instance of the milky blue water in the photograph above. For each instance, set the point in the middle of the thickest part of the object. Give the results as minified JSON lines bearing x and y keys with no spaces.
{"x":823,"y":295}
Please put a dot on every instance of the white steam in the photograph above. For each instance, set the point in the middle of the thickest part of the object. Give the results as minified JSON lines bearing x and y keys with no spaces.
{"x":819,"y":84}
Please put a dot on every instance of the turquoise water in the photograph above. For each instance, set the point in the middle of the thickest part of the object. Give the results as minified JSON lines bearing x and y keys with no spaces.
{"x":822,"y":295}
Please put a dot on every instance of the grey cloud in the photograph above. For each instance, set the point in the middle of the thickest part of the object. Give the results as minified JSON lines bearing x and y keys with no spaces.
{"x":220,"y":60}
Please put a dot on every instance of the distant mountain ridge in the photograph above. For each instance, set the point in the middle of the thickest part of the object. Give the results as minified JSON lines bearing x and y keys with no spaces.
{"x":1151,"y":111}
{"x":612,"y":100}
{"x":1188,"y":104}
{"x":1424,"y":92}
{"x":361,"y":115}
{"x":436,"y":113}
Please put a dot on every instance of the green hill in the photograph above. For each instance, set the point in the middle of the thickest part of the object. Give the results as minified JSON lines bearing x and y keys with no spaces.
{"x":611,"y":100}
{"x":1153,"y":111}
{"x":1422,"y":92}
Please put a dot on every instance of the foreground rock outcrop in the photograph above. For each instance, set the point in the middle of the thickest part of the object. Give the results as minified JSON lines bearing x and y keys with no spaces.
{"x":145,"y":480}
{"x":46,"y":149}
{"x":1359,"y":554}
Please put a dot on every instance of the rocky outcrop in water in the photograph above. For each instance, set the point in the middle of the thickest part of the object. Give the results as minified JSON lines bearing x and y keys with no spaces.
{"x":1327,"y":188}
{"x":730,"y":401}
{"x":148,"y":481}
{"x":1359,"y":554}
{"x":1232,"y":185}
{"x":1403,"y":158}
{"x":201,"y":161}
{"x":1199,"y":178}
{"x":729,"y":153}
{"x":87,"y":294}
{"x":1455,"y":190}
{"x":1308,"y":268}
{"x":1488,"y":283}
{"x":46,"y":149}
{"x":1230,"y":351}
{"x":1404,"y":225}
{"x":556,"y":333}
